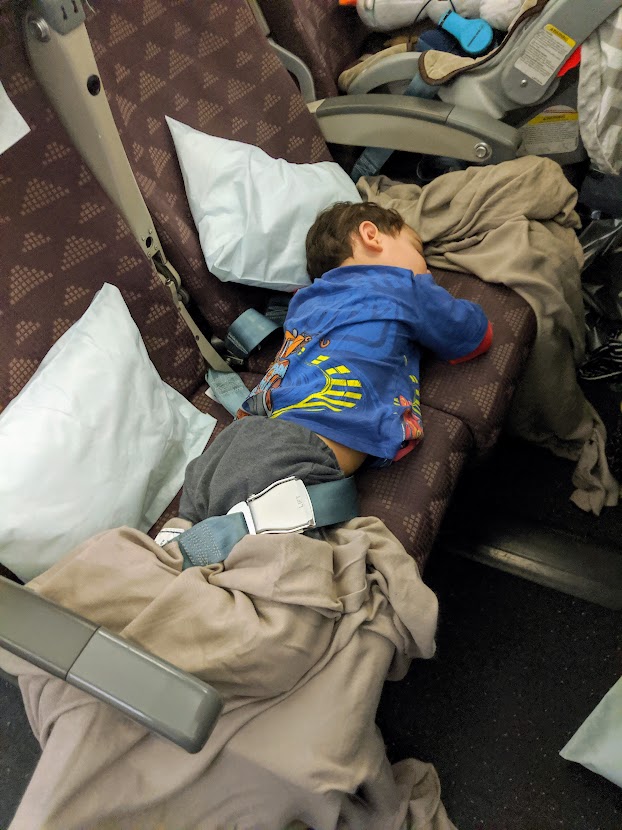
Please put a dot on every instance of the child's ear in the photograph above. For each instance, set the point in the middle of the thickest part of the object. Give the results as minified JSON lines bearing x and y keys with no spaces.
{"x":370,"y":235}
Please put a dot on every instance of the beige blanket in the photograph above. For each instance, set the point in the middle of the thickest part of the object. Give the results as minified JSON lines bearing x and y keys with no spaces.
{"x":298,"y":634}
{"x":513,"y":223}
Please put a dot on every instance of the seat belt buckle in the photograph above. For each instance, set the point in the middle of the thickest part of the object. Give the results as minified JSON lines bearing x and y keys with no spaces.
{"x":282,"y":507}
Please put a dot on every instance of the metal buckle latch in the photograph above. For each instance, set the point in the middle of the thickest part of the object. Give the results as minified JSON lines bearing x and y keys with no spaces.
{"x":283,"y":507}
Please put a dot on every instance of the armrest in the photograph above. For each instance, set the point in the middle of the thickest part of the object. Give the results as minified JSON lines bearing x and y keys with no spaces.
{"x":298,"y":69}
{"x":393,"y":68}
{"x":149,"y":690}
{"x":417,"y":125}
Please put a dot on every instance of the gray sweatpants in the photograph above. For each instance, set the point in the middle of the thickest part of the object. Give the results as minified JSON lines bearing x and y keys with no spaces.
{"x":246,"y":457}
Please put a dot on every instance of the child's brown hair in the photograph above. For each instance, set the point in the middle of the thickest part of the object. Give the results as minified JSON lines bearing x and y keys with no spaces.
{"x":329,"y":240}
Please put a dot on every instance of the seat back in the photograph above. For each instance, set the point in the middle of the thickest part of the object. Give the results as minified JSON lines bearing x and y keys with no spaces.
{"x":325,"y":36}
{"x":62,"y":239}
{"x":209,"y":66}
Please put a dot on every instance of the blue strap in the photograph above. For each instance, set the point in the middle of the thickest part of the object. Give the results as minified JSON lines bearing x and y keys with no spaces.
{"x":245,"y":334}
{"x":248,"y":331}
{"x":228,"y":389}
{"x":334,"y":501}
{"x":212,"y":540}
{"x":277,"y":307}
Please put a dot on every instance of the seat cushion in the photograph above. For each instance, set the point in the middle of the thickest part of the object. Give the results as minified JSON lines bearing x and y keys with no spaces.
{"x":479,"y":391}
{"x":209,"y":66}
{"x":410,"y":496}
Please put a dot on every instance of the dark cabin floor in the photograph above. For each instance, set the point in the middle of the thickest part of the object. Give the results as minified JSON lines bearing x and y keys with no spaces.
{"x":518,"y":668}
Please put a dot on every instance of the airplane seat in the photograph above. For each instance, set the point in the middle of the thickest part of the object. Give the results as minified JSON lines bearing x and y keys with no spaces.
{"x":249,"y":98}
{"x":210,"y":66}
{"x":63,"y":239}
{"x":204,"y":65}
{"x":461,"y":408}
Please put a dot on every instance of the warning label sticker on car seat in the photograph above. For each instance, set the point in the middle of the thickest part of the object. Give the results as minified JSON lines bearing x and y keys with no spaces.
{"x":545,"y":53}
{"x":554,"y":130}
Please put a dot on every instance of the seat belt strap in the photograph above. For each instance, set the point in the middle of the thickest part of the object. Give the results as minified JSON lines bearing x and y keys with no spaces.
{"x":277,"y":308}
{"x":228,"y":389}
{"x":334,"y":501}
{"x":286,"y":506}
{"x":247,"y":332}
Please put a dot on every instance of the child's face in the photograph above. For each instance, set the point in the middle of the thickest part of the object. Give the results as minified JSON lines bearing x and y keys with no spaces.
{"x":403,"y":251}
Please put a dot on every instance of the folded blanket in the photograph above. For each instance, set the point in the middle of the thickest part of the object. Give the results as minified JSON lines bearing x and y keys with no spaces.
{"x":513,"y":223}
{"x":297,"y":633}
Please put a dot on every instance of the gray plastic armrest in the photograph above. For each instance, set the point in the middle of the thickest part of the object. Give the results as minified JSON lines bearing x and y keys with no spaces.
{"x":298,"y":69}
{"x":389,"y":70}
{"x":417,"y":125}
{"x":149,"y":690}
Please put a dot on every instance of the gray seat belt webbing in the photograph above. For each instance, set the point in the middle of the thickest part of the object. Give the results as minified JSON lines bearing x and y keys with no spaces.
{"x":228,"y":389}
{"x":211,"y":540}
{"x":248,"y":331}
{"x":334,"y":501}
{"x":245,"y":334}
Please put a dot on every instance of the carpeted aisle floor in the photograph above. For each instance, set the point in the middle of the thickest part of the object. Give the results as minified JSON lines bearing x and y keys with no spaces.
{"x":518,"y":669}
{"x":19,"y":752}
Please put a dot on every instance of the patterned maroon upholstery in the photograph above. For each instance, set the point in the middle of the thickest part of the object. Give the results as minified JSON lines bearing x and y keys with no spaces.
{"x":410,"y":497}
{"x":208,"y":65}
{"x":61,"y":240}
{"x":325,"y":36}
{"x":479,"y":391}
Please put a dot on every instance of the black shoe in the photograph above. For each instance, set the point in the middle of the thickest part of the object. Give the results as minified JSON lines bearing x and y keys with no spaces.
{"x":604,"y":363}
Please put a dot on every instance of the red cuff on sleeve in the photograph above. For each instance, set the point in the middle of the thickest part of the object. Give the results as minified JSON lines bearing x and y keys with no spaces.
{"x":483,"y":347}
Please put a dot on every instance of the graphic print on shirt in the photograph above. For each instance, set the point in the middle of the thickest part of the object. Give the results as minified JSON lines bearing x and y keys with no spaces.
{"x":329,"y":384}
{"x":273,"y":378}
{"x":412,"y":425}
{"x":335,"y":392}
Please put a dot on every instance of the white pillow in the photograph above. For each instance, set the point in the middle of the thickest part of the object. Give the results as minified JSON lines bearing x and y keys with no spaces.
{"x":253,"y":212}
{"x":94,"y":440}
{"x":597,"y":743}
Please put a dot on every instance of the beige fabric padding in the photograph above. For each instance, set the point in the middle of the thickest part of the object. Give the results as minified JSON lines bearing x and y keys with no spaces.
{"x":348,"y":76}
{"x":438,"y":68}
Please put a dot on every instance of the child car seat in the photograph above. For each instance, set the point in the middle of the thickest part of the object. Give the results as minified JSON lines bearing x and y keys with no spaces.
{"x":520,"y":97}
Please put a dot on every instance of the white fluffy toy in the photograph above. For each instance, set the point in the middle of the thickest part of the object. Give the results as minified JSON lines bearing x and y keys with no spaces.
{"x":386,"y":15}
